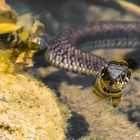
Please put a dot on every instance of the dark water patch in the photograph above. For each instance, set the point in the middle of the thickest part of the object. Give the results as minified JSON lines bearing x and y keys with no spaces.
{"x":134,"y":56}
{"x":77,"y":127}
{"x":134,"y":116}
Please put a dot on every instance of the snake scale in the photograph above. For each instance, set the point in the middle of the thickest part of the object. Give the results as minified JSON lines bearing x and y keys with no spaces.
{"x":66,"y":50}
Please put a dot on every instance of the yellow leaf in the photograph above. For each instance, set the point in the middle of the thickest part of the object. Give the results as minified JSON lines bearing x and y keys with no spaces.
{"x":26,"y":58}
{"x":9,"y":27}
{"x":129,"y":6}
{"x":21,"y":58}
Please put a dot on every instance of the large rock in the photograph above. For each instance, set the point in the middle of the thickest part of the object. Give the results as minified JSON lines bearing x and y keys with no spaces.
{"x":28,"y":109}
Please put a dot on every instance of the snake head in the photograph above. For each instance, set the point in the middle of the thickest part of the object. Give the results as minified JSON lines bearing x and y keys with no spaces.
{"x":117,"y":73}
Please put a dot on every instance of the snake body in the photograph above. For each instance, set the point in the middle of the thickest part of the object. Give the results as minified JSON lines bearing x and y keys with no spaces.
{"x":66,"y":51}
{"x":70,"y":51}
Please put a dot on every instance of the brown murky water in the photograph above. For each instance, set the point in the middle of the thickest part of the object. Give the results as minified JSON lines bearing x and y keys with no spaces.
{"x":91,"y":116}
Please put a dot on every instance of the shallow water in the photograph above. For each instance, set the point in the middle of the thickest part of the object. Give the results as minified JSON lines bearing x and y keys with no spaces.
{"x":76,"y":90}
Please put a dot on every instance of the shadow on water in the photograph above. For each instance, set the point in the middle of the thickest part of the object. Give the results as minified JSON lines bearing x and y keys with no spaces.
{"x":133,"y":113}
{"x":77,"y":127}
{"x":62,"y":76}
{"x":135,"y":57}
{"x":134,"y":116}
{"x":55,"y":79}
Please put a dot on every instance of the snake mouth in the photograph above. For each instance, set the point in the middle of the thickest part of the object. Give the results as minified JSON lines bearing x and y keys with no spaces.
{"x":115,"y":76}
{"x":112,"y":91}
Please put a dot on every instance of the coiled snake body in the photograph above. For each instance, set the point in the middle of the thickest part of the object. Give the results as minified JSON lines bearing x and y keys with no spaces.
{"x":66,"y":52}
{"x":69,"y":51}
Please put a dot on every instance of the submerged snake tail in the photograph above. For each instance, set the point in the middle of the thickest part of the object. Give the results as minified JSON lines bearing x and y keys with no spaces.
{"x":105,"y":35}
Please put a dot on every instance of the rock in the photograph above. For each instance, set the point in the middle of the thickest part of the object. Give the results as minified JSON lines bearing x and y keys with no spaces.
{"x":28,"y":109}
